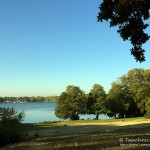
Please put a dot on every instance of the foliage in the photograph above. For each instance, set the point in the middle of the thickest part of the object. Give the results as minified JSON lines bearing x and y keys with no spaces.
{"x":147,"y":115}
{"x":11,"y":130}
{"x":130,"y":17}
{"x":128,"y":96}
{"x":10,"y":114}
{"x":71,"y":103}
{"x":96,"y":100}
{"x":120,"y":102}
{"x":138,"y":82}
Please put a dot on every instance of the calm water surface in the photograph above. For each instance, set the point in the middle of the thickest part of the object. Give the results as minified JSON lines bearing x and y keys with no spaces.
{"x":41,"y":111}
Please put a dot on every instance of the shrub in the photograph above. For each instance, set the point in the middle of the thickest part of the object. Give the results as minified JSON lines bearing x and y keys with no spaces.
{"x":11,"y":129}
{"x":10,"y":114}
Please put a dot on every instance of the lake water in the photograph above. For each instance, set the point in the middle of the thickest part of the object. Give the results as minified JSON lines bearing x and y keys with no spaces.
{"x":41,"y":111}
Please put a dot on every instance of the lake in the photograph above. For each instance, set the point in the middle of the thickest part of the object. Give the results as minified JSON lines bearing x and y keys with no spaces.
{"x":41,"y":111}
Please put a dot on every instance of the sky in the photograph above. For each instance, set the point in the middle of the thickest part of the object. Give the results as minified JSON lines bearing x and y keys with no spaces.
{"x":47,"y":45}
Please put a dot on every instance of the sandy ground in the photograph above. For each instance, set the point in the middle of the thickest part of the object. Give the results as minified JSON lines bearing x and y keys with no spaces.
{"x":89,"y":127}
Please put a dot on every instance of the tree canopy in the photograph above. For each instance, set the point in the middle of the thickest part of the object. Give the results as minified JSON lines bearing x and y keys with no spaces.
{"x":120,"y":102}
{"x":130,"y":17}
{"x":96,"y":100}
{"x":138,"y":82}
{"x":71,"y":103}
{"x":129,"y":95}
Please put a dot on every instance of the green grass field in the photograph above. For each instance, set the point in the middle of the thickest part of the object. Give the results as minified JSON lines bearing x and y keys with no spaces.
{"x":114,"y":134}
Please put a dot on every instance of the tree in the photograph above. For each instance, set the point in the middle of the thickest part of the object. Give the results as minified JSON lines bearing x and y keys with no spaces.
{"x":96,"y":100}
{"x":147,"y":115}
{"x":71,"y":103}
{"x":138,"y":82}
{"x":129,"y":95}
{"x":120,"y":102}
{"x":130,"y":17}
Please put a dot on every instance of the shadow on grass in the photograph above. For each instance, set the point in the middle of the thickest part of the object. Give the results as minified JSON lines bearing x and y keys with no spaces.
{"x":86,"y":137}
{"x":44,"y":130}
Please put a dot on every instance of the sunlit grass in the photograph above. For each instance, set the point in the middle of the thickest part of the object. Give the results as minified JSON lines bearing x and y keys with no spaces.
{"x":100,"y":140}
{"x":63,"y":123}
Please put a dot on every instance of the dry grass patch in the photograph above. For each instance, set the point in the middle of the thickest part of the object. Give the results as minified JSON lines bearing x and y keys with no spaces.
{"x":73,"y":136}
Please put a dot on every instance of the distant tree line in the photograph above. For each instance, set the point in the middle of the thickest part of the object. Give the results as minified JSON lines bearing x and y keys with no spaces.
{"x":129,"y":96}
{"x":29,"y":99}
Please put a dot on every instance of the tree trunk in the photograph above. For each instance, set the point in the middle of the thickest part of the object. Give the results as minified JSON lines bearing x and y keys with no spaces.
{"x":77,"y":117}
{"x":74,"y":117}
{"x":97,"y":115}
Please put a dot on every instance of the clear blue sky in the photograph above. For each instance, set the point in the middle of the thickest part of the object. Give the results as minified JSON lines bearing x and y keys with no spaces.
{"x":46,"y":45}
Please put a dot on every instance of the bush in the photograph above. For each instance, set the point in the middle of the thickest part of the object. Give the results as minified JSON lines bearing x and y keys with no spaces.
{"x":11,"y":129}
{"x":10,"y":114}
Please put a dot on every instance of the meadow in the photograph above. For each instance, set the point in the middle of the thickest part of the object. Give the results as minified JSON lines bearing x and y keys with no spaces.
{"x":109,"y":134}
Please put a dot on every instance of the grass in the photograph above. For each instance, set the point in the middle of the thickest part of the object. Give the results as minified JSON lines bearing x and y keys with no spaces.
{"x":73,"y":122}
{"x":104,"y":138}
